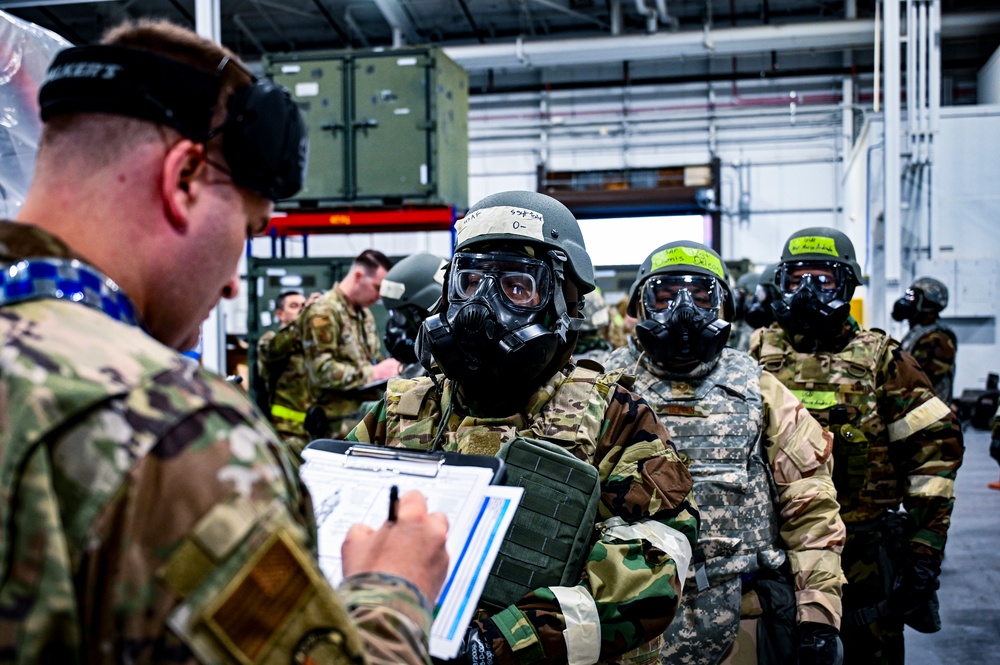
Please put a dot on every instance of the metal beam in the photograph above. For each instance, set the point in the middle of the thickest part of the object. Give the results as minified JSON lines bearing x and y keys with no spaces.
{"x":815,"y":36}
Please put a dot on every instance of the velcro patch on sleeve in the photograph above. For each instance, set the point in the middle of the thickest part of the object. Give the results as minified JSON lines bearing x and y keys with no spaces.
{"x":268,"y":592}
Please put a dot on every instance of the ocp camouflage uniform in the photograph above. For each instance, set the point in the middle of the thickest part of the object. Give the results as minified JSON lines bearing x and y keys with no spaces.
{"x":340,"y":344}
{"x":894,"y":442}
{"x":140,"y":492}
{"x":281,"y":365}
{"x":648,"y":520}
{"x":742,"y":430}
{"x":933,"y":346}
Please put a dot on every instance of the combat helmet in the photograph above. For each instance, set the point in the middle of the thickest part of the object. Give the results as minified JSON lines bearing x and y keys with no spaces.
{"x":678,"y":296}
{"x":935,"y":294}
{"x":529,"y":217}
{"x":819,"y":243}
{"x":416,"y":280}
{"x":683,"y":257}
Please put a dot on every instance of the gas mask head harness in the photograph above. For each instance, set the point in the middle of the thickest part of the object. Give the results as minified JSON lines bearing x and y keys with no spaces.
{"x":264,"y":138}
{"x":815,"y":298}
{"x":679,"y":294}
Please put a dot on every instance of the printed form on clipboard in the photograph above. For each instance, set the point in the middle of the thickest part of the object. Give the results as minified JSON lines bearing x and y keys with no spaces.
{"x":350,"y":484}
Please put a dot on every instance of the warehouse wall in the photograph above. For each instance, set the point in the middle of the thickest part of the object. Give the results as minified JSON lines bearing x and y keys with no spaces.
{"x":789,"y":161}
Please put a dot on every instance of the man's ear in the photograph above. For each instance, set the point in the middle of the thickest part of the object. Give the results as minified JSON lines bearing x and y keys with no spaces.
{"x":178,"y":184}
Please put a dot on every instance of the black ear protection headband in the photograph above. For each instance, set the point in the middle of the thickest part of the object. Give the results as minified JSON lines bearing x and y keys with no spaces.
{"x":263,"y":137}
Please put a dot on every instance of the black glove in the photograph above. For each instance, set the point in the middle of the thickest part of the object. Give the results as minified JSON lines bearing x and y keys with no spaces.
{"x":915,"y":593}
{"x":819,"y":644}
{"x":916,"y":582}
{"x":474,"y":651}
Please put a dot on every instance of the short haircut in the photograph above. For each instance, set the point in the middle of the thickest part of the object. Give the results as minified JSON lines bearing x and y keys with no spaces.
{"x":279,"y":302}
{"x":371,"y":260}
{"x":105,"y":137}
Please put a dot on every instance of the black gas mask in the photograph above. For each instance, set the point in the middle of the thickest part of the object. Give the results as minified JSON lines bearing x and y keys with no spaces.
{"x":682,"y":328}
{"x":759,"y":314}
{"x":494,"y":336}
{"x":813,"y":305}
{"x":401,"y":332}
{"x":906,"y":308}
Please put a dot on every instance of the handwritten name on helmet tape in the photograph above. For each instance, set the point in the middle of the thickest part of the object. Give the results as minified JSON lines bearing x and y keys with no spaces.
{"x":813,"y":245}
{"x":687,"y":256}
{"x":504,"y":220}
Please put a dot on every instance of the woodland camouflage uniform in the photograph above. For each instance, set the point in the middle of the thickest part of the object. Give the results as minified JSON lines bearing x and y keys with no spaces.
{"x":895,"y":443}
{"x":340,"y":345}
{"x":717,"y":419}
{"x":140,"y":491}
{"x":634,"y":583}
{"x":281,"y":366}
{"x":933,"y":346}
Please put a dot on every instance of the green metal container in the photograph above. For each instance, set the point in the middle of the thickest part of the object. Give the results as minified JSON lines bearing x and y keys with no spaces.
{"x":386,"y":127}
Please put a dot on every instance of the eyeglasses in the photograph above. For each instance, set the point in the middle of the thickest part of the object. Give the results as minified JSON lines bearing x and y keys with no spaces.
{"x":523,"y":281}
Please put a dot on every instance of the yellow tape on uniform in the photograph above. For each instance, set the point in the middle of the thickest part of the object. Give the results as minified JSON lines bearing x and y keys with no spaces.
{"x":687,"y":256}
{"x":813,"y":245}
{"x":932,"y":486}
{"x":926,"y":414}
{"x":816,"y":400}
{"x":279,"y":411}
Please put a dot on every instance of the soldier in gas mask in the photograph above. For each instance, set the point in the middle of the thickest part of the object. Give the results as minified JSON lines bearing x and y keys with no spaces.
{"x":758,"y":313}
{"x":895,"y":442}
{"x":410,"y":290}
{"x":502,"y":341}
{"x":929,"y":340}
{"x":741,"y":429}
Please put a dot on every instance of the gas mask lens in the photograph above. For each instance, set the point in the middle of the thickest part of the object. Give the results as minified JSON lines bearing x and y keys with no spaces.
{"x":523,"y":281}
{"x":661,"y":290}
{"x":826,"y":275}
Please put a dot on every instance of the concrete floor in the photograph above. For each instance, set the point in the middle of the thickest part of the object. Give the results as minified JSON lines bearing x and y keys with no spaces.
{"x":970,"y":576}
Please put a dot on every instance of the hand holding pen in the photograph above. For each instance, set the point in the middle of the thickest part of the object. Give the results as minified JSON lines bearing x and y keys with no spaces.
{"x":411,"y":545}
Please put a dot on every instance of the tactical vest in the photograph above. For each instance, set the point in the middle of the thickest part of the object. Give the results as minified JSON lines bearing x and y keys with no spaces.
{"x":716,"y":422}
{"x":549,"y":539}
{"x":842,"y":387}
{"x":944,"y":385}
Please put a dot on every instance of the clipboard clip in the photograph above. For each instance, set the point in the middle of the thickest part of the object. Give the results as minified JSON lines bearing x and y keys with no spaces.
{"x":364,"y":456}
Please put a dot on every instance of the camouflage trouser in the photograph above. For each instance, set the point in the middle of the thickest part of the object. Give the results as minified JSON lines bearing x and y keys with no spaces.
{"x":705,"y":626}
{"x":866,"y":566}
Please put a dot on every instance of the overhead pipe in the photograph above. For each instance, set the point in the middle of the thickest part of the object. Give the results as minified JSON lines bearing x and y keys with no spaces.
{"x":649,"y":13}
{"x":815,"y":36}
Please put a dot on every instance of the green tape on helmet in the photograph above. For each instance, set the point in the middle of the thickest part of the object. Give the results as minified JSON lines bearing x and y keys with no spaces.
{"x":688,"y":256}
{"x":813,"y":245}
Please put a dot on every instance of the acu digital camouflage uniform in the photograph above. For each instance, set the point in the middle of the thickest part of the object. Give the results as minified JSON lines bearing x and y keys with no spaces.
{"x":894,"y":442}
{"x":646,"y":511}
{"x":340,"y":345}
{"x":281,"y":366}
{"x":933,"y":346}
{"x":150,"y":515}
{"x":742,"y":431}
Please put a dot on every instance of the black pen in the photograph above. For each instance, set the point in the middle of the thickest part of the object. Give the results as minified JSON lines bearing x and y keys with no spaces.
{"x":393,"y":502}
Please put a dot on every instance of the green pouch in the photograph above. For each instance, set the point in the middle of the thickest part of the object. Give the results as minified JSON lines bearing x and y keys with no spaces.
{"x":550,"y":537}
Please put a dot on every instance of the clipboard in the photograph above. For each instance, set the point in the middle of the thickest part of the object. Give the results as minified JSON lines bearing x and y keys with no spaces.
{"x":366,"y":457}
{"x":351,"y":483}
